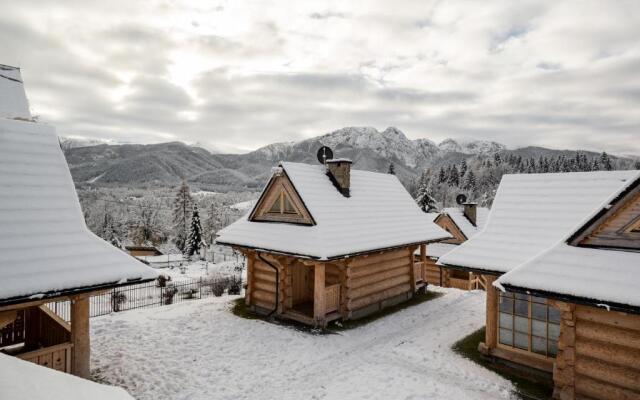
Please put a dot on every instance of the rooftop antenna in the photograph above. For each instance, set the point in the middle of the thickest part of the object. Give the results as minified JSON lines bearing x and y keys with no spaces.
{"x":461,"y":199}
{"x":324,"y":153}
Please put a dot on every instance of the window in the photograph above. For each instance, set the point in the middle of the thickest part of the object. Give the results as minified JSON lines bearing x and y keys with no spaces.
{"x":635,"y":226}
{"x":528,"y":323}
{"x":283,"y":205}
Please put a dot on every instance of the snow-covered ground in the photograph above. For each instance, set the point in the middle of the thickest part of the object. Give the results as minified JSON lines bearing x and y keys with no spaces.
{"x":200,"y":350}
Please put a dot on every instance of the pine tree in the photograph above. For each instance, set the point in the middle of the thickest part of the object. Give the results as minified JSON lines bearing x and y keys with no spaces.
{"x":463,"y":168}
{"x":454,"y":176}
{"x":605,"y":162}
{"x":424,"y":199}
{"x":442,"y":175}
{"x":214,"y":221}
{"x":392,"y":169}
{"x":636,"y":165}
{"x":182,"y":207}
{"x":195,"y":240}
{"x":595,"y":166}
{"x":470,"y":183}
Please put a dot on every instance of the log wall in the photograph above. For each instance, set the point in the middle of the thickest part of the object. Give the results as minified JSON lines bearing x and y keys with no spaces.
{"x":375,"y":278}
{"x":263,"y":285}
{"x":598,"y":354}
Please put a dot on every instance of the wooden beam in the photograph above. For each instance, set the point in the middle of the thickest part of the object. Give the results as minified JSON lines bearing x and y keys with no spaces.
{"x":491,"y":335}
{"x":80,"y":337}
{"x":412,"y":270}
{"x":423,"y":260}
{"x":250,"y":272}
{"x":319,"y":294}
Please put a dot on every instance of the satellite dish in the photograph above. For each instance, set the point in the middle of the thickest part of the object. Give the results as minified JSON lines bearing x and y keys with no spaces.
{"x":461,"y":199}
{"x":324,"y":153}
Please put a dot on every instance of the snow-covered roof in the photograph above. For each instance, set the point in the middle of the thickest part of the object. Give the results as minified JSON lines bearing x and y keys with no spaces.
{"x":603,"y":276}
{"x":466,"y":227}
{"x":532,"y":212}
{"x":22,"y":380}
{"x":45,"y":245}
{"x":13,"y":100}
{"x":597,"y":274}
{"x":437,"y":250}
{"x":379,"y":214}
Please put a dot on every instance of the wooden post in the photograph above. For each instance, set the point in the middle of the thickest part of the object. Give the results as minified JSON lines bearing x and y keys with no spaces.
{"x":412,"y":270}
{"x":491,"y":335}
{"x":249,"y":290}
{"x":423,"y":260}
{"x":80,"y":336}
{"x":319,"y":294}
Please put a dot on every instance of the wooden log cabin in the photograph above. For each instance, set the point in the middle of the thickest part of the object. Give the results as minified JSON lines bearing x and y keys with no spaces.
{"x":328,"y":242}
{"x":47,"y":253}
{"x":564,"y":249}
{"x":462,"y":223}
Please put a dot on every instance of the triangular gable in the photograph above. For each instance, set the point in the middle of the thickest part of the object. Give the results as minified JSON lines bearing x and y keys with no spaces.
{"x":446,"y":222}
{"x":617,"y":227}
{"x":280,"y":202}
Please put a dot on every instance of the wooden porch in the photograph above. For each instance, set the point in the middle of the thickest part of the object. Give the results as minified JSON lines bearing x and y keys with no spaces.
{"x":35,"y":333}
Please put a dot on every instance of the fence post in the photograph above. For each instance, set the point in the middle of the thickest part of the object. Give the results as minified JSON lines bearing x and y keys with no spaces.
{"x":200,"y":287}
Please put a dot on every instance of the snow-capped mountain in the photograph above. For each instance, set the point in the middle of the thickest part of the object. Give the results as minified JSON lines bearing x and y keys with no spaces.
{"x":391,"y":144}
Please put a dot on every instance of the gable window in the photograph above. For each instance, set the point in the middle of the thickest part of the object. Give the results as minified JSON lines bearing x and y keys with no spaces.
{"x":528,"y":323}
{"x":283,"y":205}
{"x":635,"y":226}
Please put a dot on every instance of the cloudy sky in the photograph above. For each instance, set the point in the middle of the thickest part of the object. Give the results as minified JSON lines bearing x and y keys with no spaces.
{"x":236,"y":75}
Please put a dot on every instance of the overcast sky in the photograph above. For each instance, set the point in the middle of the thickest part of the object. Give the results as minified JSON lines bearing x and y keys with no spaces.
{"x":237,"y":75}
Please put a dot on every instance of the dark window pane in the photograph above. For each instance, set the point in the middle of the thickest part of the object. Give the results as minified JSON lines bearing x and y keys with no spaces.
{"x":506,"y":321}
{"x":506,"y":294}
{"x":539,"y":345}
{"x":554,"y":331}
{"x":539,"y":328}
{"x":554,"y":315}
{"x":553,"y":348}
{"x":540,"y":300}
{"x":539,"y":311}
{"x":506,"y":305}
{"x":522,"y":308}
{"x":521,"y":341}
{"x":521,"y":324}
{"x":506,"y":337}
{"x":521,"y":296}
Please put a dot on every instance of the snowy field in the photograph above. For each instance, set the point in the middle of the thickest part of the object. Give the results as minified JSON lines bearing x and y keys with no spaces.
{"x":200,"y":350}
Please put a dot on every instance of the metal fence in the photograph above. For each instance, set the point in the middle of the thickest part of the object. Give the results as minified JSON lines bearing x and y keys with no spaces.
{"x":153,"y":294}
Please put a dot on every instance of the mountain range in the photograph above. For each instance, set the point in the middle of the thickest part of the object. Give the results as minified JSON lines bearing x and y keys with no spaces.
{"x":166,"y":164}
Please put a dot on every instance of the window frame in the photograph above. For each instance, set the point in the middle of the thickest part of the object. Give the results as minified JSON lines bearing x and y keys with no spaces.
{"x":531,"y":300}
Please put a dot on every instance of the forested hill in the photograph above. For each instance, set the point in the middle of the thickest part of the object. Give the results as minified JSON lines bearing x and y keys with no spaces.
{"x":167,"y":164}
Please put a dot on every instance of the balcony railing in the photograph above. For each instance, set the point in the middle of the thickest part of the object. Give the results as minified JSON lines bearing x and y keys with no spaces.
{"x":332,"y":298}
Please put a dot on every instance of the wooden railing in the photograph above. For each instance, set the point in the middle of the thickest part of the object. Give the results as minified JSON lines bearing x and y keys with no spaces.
{"x":332,"y":298}
{"x":57,"y":357}
{"x":477,"y":282}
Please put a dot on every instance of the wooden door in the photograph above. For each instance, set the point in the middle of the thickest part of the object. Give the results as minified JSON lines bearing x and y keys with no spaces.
{"x":301,"y":283}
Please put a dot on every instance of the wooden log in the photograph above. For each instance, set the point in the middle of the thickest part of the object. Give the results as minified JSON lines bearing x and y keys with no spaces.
{"x":261,"y":266}
{"x":608,"y":334}
{"x":81,"y":354}
{"x":491,"y":332}
{"x":613,"y":318}
{"x":609,"y":352}
{"x":380,"y":286}
{"x":356,"y":283}
{"x":412,"y":271}
{"x":624,"y":377}
{"x":378,"y":258}
{"x":597,"y":389}
{"x":319,"y":306}
{"x":377,"y":268}
{"x":268,"y":287}
{"x":262,"y":304}
{"x":264,"y":276}
{"x":267,"y":297}
{"x":355,"y":304}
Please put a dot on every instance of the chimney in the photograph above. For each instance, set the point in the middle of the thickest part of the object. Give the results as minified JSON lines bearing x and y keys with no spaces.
{"x":339,"y":171}
{"x":470,"y":211}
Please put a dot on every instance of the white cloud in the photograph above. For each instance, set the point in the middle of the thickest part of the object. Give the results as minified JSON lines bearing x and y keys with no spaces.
{"x":238,"y":75}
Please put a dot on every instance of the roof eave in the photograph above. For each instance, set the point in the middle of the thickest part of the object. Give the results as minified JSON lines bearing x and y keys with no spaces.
{"x":610,"y":306}
{"x":330,"y":258}
{"x":69,"y":292}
